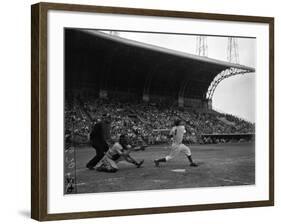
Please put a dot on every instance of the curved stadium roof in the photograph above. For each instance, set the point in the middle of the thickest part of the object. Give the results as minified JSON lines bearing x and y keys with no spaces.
{"x":112,"y":62}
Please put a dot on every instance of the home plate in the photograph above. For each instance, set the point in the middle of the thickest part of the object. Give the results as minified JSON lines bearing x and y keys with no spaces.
{"x":179,"y":170}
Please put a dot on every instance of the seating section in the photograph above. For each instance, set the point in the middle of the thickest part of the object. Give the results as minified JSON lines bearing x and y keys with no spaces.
{"x":147,"y":123}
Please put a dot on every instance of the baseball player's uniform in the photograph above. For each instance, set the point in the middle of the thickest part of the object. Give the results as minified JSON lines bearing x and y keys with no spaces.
{"x":177,"y":133}
{"x":110,"y":159}
{"x":115,"y":154}
{"x":177,"y":146}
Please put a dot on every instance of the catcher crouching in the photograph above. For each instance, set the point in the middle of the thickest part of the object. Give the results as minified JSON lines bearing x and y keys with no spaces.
{"x":118,"y":152}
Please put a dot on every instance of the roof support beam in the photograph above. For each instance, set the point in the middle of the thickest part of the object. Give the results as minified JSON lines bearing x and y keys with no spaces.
{"x":148,"y":80}
{"x":107,"y":68}
{"x":223,"y":75}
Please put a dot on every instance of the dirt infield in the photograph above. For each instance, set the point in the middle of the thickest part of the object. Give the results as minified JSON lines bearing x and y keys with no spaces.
{"x":219,"y":165}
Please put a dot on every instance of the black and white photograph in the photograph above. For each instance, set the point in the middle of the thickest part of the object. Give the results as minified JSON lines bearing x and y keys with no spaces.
{"x":154,"y":111}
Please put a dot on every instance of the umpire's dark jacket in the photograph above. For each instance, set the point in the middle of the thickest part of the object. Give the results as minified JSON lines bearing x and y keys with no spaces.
{"x":100,"y":133}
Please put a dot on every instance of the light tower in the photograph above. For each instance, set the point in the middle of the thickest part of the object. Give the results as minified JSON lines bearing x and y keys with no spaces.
{"x":232,"y":57}
{"x":201,"y":46}
{"x":232,"y":50}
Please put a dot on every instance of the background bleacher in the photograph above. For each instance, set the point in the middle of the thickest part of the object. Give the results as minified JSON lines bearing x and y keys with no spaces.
{"x":149,"y":122}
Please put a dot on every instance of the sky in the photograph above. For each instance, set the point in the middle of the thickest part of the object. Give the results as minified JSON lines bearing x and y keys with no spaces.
{"x":234,"y":95}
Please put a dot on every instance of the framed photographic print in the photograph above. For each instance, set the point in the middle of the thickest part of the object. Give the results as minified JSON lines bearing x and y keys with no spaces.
{"x":139,"y":111}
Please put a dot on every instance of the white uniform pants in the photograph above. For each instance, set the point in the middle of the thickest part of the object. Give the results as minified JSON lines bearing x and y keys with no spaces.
{"x":176,"y":149}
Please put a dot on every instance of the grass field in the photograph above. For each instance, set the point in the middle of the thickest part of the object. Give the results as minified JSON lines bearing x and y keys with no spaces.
{"x":219,"y":165}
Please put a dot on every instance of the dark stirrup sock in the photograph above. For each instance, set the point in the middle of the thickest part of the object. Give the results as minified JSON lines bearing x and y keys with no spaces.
{"x":161,"y":160}
{"x":190,"y":159}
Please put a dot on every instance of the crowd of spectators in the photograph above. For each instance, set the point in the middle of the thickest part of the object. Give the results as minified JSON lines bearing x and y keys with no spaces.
{"x":147,"y":122}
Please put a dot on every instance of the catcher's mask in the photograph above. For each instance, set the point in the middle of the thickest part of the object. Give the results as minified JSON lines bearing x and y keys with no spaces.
{"x":123,"y":140}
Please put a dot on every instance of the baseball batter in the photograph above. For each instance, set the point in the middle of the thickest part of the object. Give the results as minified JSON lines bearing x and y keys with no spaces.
{"x":177,"y":133}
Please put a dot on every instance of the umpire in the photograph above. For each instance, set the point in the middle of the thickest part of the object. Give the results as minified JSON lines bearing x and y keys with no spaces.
{"x":99,"y":136}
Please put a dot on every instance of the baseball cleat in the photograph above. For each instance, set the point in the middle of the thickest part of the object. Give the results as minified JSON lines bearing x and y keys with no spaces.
{"x":193,"y":164}
{"x":140,"y":163}
{"x":156,"y":163}
{"x":90,"y":167}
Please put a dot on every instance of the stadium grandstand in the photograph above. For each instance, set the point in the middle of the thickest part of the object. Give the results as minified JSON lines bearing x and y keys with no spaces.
{"x":144,"y":88}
